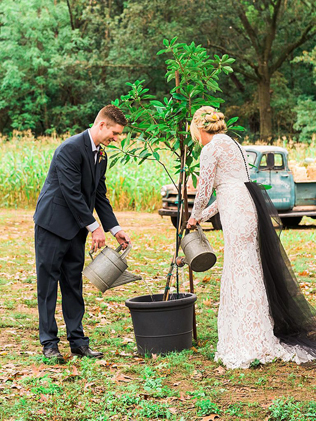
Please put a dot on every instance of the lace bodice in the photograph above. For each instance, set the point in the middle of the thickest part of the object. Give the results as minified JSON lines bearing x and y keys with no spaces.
{"x":221,"y":163}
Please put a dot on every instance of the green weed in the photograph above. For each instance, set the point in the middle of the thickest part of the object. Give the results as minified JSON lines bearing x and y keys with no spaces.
{"x":206,"y":407}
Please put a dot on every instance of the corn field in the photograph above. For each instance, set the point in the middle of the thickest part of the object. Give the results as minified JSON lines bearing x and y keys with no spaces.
{"x":25,"y":162}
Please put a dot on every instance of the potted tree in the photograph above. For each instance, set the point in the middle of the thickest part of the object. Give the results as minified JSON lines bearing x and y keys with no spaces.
{"x":163,"y":323}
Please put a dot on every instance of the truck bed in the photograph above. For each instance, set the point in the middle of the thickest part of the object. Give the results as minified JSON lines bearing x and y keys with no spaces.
{"x":305,"y":193}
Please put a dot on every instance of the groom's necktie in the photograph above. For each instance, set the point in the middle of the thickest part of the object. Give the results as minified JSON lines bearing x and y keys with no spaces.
{"x":95,"y":156}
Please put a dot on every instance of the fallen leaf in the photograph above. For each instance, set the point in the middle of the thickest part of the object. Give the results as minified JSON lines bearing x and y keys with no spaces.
{"x":127,"y":340}
{"x":211,"y":417}
{"x":208,"y":303}
{"x":197,"y":375}
{"x":87,"y":385}
{"x":44,"y":398}
{"x":121,"y":378}
{"x":102,"y":363}
{"x":75,"y":371}
{"x":176,"y":384}
{"x":220,"y":370}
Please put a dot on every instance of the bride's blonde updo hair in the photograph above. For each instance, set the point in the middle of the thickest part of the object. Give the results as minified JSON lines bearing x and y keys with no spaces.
{"x":208,"y":119}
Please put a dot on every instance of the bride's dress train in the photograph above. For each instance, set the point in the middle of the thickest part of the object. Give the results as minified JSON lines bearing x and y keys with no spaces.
{"x":246,"y":328}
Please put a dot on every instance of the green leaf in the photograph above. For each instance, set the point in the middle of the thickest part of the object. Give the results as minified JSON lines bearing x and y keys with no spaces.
{"x":113,"y":161}
{"x":232,"y":120}
{"x":173,"y":41}
{"x":166,"y":42}
{"x":156,"y":156}
{"x":228,"y":69}
{"x":194,"y":180}
{"x":157,"y":104}
{"x":180,"y":97}
{"x":238,"y":128}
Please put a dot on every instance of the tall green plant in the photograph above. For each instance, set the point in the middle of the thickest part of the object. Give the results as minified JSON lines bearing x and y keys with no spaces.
{"x":156,"y":125}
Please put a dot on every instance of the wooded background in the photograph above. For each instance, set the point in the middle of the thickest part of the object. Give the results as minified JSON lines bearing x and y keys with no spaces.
{"x":62,"y":60}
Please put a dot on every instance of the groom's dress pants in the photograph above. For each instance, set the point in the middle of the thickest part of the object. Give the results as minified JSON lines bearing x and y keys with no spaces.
{"x":60,"y":260}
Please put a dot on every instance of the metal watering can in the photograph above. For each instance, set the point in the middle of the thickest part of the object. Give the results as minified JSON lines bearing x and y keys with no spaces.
{"x":108,"y":269}
{"x":197,"y":250}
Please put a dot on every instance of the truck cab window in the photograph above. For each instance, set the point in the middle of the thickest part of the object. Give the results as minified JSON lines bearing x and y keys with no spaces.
{"x":263,"y":162}
{"x":273,"y":161}
{"x":251,"y":157}
{"x":278,"y":161}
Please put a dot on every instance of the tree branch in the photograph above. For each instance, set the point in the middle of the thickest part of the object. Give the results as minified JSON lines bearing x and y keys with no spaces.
{"x":306,"y":35}
{"x":237,"y":82}
{"x":249,"y":29}
{"x":271,"y":31}
{"x":233,"y":54}
{"x":70,"y":16}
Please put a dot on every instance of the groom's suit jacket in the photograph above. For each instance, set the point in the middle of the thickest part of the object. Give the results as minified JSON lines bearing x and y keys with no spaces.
{"x":74,"y":187}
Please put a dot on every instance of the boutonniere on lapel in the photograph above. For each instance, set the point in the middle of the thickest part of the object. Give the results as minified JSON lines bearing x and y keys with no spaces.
{"x":101,"y":155}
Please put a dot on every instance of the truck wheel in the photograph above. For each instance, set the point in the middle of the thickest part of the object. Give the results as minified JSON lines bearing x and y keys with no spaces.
{"x":291,"y":222}
{"x":216,"y":222}
{"x":174,"y":221}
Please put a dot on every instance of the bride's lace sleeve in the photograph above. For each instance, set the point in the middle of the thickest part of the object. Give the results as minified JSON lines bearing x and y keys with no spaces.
{"x":208,"y":161}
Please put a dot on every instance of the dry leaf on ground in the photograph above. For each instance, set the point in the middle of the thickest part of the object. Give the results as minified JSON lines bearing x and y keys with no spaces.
{"x":211,"y":417}
{"x":220,"y":370}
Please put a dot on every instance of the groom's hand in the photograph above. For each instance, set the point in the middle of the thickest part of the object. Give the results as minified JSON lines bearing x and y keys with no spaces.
{"x":122,"y":238}
{"x":98,"y":239}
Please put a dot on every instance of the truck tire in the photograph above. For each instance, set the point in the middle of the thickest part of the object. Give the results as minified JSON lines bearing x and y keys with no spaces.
{"x":291,"y":222}
{"x":216,"y":222}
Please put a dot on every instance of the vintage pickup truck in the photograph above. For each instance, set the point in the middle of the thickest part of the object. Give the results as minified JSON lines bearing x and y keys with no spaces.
{"x":269,"y":166}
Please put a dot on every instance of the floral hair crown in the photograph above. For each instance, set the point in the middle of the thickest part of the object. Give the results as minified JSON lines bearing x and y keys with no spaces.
{"x":209,"y":118}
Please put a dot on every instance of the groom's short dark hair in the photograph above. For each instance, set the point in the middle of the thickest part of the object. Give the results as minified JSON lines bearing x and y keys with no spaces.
{"x":111,"y":114}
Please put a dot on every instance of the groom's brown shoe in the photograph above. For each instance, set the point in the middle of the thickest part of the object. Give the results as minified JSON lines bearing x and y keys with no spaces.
{"x":85,"y":351}
{"x":53,"y":354}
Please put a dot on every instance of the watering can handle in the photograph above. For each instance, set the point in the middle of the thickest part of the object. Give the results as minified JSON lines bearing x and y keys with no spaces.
{"x":91,"y":253}
{"x":198,"y":227}
{"x":126,"y":251}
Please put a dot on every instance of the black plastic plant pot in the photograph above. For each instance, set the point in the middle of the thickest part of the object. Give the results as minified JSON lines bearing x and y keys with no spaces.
{"x":162,"y":326}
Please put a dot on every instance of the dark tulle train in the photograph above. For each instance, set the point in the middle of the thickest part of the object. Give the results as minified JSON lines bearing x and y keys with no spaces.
{"x":294,"y":318}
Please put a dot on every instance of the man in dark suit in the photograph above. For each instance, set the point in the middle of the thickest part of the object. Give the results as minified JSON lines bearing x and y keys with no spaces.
{"x":74,"y":187}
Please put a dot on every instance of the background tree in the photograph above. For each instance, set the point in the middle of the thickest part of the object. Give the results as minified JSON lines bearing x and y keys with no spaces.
{"x":52,"y":54}
{"x":306,"y":106}
{"x":62,"y":60}
{"x":262,"y":35}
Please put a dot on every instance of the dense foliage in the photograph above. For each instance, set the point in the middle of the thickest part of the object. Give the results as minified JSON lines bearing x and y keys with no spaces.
{"x":156,"y":126}
{"x":61,"y":60}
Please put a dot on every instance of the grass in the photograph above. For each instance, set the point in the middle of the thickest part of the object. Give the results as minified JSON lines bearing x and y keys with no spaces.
{"x":123,"y":385}
{"x":25,"y":162}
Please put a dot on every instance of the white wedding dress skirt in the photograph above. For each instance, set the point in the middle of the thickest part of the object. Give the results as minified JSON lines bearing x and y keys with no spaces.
{"x":245,"y":328}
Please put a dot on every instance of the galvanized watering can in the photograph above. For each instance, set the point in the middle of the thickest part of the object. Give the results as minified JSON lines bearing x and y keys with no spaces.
{"x":108,"y":269}
{"x":198,"y":251}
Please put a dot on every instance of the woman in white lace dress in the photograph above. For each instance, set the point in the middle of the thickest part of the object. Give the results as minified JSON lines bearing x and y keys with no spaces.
{"x":246,"y":328}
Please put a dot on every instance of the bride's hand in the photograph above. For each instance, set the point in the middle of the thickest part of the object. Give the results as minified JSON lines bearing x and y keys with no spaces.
{"x":192,"y":222}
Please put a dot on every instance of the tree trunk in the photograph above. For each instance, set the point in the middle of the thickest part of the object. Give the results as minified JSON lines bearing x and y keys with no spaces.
{"x":265,"y":110}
